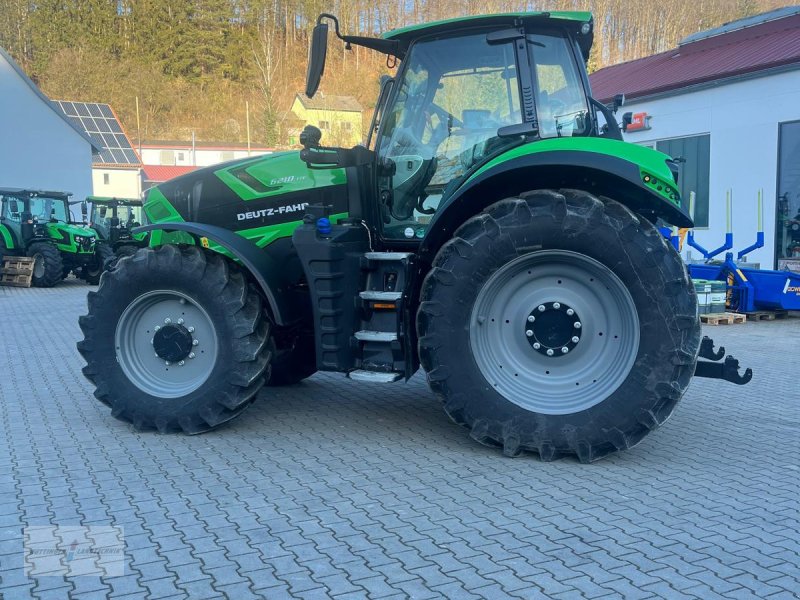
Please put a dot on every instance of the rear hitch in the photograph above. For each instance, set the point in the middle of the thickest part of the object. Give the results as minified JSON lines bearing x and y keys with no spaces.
{"x":727,"y":370}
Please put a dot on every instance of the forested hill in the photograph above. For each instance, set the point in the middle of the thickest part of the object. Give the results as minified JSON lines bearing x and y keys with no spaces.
{"x":193,"y":64}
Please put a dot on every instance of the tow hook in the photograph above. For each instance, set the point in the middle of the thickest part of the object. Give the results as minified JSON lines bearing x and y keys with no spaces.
{"x":727,"y":370}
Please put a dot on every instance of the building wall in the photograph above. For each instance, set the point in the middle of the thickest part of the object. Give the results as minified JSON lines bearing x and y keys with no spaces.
{"x":122,"y":183}
{"x":38,"y":149}
{"x":743,"y":120}
{"x":343,"y":127}
{"x":203,"y":157}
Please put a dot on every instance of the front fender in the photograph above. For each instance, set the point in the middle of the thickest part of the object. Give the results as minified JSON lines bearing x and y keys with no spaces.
{"x":602,"y":167}
{"x":287,"y":306}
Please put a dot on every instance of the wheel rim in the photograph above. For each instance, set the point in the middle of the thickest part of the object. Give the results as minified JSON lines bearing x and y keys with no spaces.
{"x":582,"y":357}
{"x":38,"y":265}
{"x":166,"y":344}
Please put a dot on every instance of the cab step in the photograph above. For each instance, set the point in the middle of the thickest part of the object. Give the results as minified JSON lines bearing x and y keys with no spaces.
{"x":381,"y":296}
{"x":388,"y":255}
{"x":374,"y":376}
{"x":376,"y":336}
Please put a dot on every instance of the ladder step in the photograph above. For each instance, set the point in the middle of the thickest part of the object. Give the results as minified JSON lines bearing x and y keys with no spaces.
{"x":374,"y":376}
{"x":376,"y":336}
{"x":387,"y":255}
{"x":382,"y":296}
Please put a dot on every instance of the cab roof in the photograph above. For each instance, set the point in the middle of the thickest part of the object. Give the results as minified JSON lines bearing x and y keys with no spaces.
{"x":19,"y":192}
{"x":113,"y":199}
{"x":575,"y":19}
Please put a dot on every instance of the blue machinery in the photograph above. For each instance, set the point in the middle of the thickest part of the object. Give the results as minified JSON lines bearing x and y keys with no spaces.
{"x":749,"y":289}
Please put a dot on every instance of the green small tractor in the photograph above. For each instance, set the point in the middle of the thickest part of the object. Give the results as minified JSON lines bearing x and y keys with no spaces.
{"x":112,"y":220}
{"x":39,"y":224}
{"x":494,"y":229}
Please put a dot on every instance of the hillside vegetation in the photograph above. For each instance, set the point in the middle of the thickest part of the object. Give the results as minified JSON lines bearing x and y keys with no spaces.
{"x":194,"y":64}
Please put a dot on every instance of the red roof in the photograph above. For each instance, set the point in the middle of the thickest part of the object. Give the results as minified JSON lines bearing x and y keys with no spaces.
{"x":736,"y":51}
{"x":161,"y":173}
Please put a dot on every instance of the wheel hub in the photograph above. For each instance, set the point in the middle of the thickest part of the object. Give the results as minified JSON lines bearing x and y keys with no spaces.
{"x":173,"y":342}
{"x":553,"y":329}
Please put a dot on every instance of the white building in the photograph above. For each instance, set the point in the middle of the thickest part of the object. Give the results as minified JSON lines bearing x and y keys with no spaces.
{"x":197,"y":154}
{"x":727,"y":101}
{"x":40,"y":148}
{"x":116,"y":169}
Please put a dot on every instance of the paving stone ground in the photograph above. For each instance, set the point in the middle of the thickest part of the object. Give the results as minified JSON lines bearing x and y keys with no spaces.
{"x":336,"y":489}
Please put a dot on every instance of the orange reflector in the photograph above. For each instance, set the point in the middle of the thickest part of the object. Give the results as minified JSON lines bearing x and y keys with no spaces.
{"x":383,"y":306}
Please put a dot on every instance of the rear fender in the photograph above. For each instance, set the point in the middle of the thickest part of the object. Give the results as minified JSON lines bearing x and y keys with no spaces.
{"x":597,"y":173}
{"x":287,"y":306}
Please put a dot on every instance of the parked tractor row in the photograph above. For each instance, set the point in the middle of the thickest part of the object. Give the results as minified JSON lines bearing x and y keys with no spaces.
{"x":39,"y":224}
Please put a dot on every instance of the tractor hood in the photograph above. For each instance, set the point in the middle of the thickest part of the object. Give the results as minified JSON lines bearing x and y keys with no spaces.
{"x":70,"y":229}
{"x":265,"y":190}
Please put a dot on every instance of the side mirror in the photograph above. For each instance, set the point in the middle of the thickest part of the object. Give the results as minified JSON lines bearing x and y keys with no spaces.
{"x":316,"y":58}
{"x":619,"y":102}
{"x":310,"y":136}
{"x":102,"y":211}
{"x":627,"y":119}
{"x":84,"y":210}
{"x":13,"y":206}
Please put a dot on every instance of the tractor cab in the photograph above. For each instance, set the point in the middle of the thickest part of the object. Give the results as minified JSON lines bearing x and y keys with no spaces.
{"x":467,"y":91}
{"x":26,"y":213}
{"x":114,"y":218}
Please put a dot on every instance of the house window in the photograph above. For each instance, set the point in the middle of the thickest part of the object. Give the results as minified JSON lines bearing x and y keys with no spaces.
{"x":694,"y":156}
{"x":167,"y":157}
{"x":106,"y":178}
{"x":180,"y":156}
{"x":226,"y":155}
{"x":324,"y":125}
{"x":347,"y":126}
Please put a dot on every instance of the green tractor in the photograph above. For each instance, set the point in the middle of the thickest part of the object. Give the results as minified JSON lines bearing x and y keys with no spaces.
{"x":38,"y":224}
{"x":112,"y":220}
{"x":494,"y":230}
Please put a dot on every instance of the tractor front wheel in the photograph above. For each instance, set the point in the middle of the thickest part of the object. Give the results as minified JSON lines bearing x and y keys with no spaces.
{"x":558,"y":323}
{"x":103,"y":255}
{"x":176,"y":340}
{"x":48,"y":266}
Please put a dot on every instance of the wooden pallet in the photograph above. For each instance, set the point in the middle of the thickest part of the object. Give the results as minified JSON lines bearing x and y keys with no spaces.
{"x":767,"y":315}
{"x":17,"y":271}
{"x":722,"y":318}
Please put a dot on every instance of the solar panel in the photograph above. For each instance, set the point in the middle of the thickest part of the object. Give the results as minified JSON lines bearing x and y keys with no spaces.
{"x":99,"y":122}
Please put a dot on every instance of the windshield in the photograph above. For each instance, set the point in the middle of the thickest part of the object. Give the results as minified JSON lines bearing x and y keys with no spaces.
{"x":129,"y":216}
{"x":560,"y":97}
{"x":454,"y":96}
{"x":41,"y":208}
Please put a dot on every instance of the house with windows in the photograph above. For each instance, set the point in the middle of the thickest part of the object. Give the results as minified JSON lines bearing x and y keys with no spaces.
{"x":196,"y":154}
{"x":116,"y":168}
{"x":41,"y":148}
{"x":338,"y":117}
{"x":726,"y":104}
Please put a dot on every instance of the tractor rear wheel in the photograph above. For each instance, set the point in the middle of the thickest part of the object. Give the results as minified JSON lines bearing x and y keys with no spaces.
{"x":176,"y":340}
{"x":295,"y":359}
{"x":48,"y":266}
{"x":558,"y":323}
{"x":103,"y":255}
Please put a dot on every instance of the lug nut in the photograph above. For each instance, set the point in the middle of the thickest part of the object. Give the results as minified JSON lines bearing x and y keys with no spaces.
{"x":550,"y":352}
{"x":529,"y":333}
{"x":181,"y":363}
{"x":195,"y":342}
{"x":152,"y":341}
{"x":531,"y":318}
{"x":191,"y":330}
{"x":180,"y":321}
{"x":564,"y":350}
{"x":577,"y":325}
{"x":191,"y":354}
{"x":570,"y":312}
{"x":575,"y":339}
{"x":167,"y":320}
{"x":536,"y":345}
{"x":556,"y":305}
{"x":156,"y":328}
{"x":541,"y":308}
{"x":157,"y":356}
{"x":166,"y":362}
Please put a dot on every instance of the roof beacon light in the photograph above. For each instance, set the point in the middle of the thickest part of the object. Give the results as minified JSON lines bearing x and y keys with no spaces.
{"x":586,"y":28}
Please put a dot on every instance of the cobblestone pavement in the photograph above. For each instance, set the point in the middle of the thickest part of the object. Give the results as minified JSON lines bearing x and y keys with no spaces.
{"x":338,"y":489}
